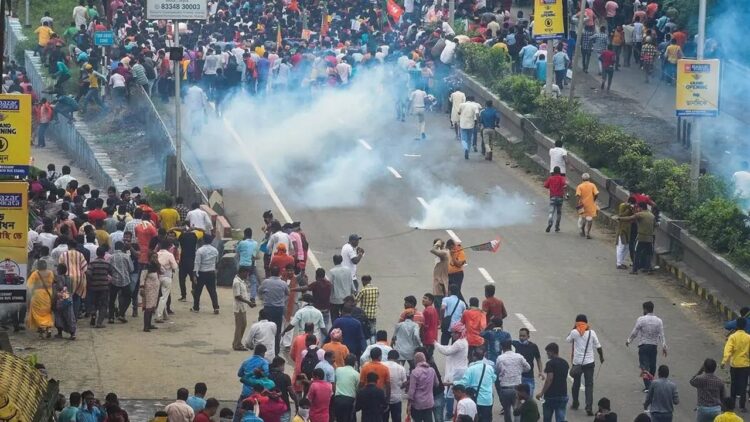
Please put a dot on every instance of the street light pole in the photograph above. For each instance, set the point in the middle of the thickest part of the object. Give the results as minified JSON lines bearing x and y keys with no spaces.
{"x":577,"y":54}
{"x":695,"y":156}
{"x":451,"y":11}
{"x":177,"y":111}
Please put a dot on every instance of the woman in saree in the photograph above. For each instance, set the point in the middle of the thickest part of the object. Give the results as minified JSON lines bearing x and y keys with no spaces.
{"x":62,"y":292}
{"x":40,"y":306}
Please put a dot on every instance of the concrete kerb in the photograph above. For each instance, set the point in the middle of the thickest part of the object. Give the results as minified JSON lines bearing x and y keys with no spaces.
{"x":517,"y":128}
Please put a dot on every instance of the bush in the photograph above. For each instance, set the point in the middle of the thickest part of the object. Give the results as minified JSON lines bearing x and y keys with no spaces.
{"x":519,"y":91}
{"x":555,"y":113}
{"x":722,"y":225}
{"x":488,"y":64}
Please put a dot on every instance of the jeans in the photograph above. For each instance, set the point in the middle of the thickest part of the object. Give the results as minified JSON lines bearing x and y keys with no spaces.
{"x":643,"y":252}
{"x":531,"y":382}
{"x":607,"y":75}
{"x":466,"y":135}
{"x":555,"y":211}
{"x":588,"y":375}
{"x":449,"y":407}
{"x":275,"y":314}
{"x":287,"y":416}
{"x":438,"y":412}
{"x":343,"y":407}
{"x":707,"y":414}
{"x":628,"y":52}
{"x":560,"y":77}
{"x":99,"y":305}
{"x":484,"y":413}
{"x":554,"y":406}
{"x":738,"y":377}
{"x":586,"y":55}
{"x":422,"y":415}
{"x":458,"y":279}
{"x":40,"y":134}
{"x":647,"y":361}
{"x":661,"y":416}
{"x":92,"y":95}
{"x":121,"y":293}
{"x":207,"y":279}
{"x":507,"y":400}
{"x":135,"y":284}
{"x":393,"y":413}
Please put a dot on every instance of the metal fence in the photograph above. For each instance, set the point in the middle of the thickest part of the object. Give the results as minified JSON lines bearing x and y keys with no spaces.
{"x":13,"y":36}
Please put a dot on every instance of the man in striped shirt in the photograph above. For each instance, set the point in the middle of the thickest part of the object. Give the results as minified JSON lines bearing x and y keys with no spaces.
{"x":98,"y":273}
{"x":77,"y":265}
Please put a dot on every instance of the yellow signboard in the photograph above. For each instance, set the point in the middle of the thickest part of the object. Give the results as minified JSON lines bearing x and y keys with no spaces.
{"x":697,"y":88}
{"x":15,"y":134}
{"x":14,"y":230}
{"x":549,"y":20}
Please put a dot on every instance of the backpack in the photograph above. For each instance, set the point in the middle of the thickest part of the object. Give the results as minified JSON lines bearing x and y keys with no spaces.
{"x":309,"y":362}
{"x":150,"y":72}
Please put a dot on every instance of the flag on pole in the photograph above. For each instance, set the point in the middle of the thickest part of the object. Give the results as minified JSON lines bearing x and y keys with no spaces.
{"x":294,"y":5}
{"x":491,"y":246}
{"x":324,"y":26}
{"x":394,"y":10}
{"x":278,"y":38}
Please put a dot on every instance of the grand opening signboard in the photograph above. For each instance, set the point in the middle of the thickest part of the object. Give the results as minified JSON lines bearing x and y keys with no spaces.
{"x":15,"y":134}
{"x":697,"y":88}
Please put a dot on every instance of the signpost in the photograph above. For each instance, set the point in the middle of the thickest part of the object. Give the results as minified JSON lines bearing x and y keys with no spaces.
{"x":549,"y":20}
{"x":697,"y":88}
{"x":15,"y":135}
{"x":14,"y":227}
{"x":177,"y":9}
{"x":104,"y":38}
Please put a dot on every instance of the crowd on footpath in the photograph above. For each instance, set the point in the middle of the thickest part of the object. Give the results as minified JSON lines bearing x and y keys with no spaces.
{"x":345,"y":362}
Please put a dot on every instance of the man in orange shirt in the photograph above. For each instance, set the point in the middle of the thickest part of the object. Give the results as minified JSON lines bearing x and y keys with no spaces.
{"x":45,"y":117}
{"x":339,"y":350}
{"x":410,"y":306}
{"x":475,"y":321}
{"x":456,"y":265}
{"x":375,"y":365}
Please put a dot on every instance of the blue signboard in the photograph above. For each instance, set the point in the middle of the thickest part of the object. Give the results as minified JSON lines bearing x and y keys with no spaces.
{"x":104,"y":38}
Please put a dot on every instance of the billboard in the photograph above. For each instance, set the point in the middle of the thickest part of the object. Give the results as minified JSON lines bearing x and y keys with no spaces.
{"x":697,"y":91}
{"x":14,"y":230}
{"x":15,"y":134}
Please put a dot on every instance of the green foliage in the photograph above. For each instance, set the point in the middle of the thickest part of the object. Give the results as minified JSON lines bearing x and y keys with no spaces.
{"x":21,"y":47}
{"x":556,"y":113}
{"x":156,"y":198}
{"x":488,"y":64}
{"x":519,"y":91}
{"x":722,"y":225}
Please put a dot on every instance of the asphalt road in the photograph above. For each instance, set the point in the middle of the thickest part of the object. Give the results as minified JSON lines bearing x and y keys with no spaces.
{"x":544,"y":279}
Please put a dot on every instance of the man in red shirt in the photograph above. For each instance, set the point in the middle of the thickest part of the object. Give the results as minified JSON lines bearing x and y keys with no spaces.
{"x":96,"y":213}
{"x":46,"y":112}
{"x":608,"y":58}
{"x":205,"y":415}
{"x":492,"y":306}
{"x":556,"y":185}
{"x":431,"y":323}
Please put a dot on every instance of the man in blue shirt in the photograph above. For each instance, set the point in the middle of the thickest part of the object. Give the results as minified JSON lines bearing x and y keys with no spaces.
{"x":481,"y":377}
{"x":490,"y":120}
{"x":351,"y":328}
{"x":452,"y":307}
{"x":90,"y":412}
{"x":494,"y":336}
{"x":247,"y":251}
{"x":250,"y":365}
{"x":198,"y":400}
{"x":528,"y":56}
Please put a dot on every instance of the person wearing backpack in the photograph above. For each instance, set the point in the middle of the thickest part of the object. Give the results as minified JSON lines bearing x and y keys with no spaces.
{"x":311,"y":356}
{"x":150,"y":69}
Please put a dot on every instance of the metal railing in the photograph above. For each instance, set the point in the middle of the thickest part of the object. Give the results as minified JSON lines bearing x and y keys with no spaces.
{"x":13,"y":36}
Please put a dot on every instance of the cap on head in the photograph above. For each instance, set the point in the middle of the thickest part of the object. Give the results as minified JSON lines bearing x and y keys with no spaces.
{"x":354,"y":237}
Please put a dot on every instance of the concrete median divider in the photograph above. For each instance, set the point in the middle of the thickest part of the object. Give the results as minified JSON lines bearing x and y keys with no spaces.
{"x":707,"y":274}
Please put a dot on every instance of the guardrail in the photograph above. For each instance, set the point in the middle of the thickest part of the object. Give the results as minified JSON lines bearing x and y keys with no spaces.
{"x":708,"y":274}
{"x":13,"y":36}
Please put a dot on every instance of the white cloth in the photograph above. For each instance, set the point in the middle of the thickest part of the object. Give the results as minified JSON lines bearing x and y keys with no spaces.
{"x":398,"y":377}
{"x":344,"y":70}
{"x":467,"y":115}
{"x":417,"y":99}
{"x":211,"y":64}
{"x":239,"y":288}
{"x":262,"y":332}
{"x":579,"y":345}
{"x":308,"y":315}
{"x":165,"y":284}
{"x":33,"y":238}
{"x":509,"y":367}
{"x":741,"y":181}
{"x":456,"y":98}
{"x":199,"y":219}
{"x":48,"y":240}
{"x":117,"y":81}
{"x":347,"y":253}
{"x":167,"y":262}
{"x":622,"y":251}
{"x":277,"y":238}
{"x":466,"y":406}
{"x":446,"y":56}
{"x":557,"y":158}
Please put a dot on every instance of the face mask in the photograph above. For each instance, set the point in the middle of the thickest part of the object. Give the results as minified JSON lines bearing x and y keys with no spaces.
{"x":304,"y":413}
{"x":524,"y":341}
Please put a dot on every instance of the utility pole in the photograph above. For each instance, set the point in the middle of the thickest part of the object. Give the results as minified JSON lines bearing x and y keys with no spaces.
{"x":550,"y":67}
{"x":695,"y":156}
{"x":451,"y":11}
{"x":577,"y":54}
{"x":177,"y":111}
{"x":26,"y":15}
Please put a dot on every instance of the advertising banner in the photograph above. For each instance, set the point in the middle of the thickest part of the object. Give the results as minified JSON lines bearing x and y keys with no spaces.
{"x":697,"y":88}
{"x":15,"y":134}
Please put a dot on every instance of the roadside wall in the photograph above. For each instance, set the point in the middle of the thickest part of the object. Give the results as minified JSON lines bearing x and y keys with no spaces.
{"x":709,"y":275}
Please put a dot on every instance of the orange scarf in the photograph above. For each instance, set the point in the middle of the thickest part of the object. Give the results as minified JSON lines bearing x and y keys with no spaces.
{"x":582,"y":327}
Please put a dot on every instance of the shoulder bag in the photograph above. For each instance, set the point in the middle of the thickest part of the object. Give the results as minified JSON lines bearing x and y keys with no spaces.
{"x":577,"y":369}
{"x":445,"y":324}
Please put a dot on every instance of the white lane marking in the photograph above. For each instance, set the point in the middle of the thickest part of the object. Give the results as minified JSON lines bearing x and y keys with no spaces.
{"x":486,"y":275}
{"x":266,"y":184}
{"x":423,"y":202}
{"x":365,"y":144}
{"x":412,"y":155}
{"x":525,"y":321}
{"x":453,"y":236}
{"x":394,"y":172}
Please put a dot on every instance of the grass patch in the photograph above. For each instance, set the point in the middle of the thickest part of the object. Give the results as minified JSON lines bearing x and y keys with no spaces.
{"x":60,"y":10}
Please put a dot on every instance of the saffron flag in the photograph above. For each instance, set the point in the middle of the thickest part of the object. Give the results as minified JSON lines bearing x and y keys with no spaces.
{"x":324,"y":26}
{"x":394,"y":10}
{"x":491,"y":246}
{"x":294,"y":5}
{"x":278,"y":37}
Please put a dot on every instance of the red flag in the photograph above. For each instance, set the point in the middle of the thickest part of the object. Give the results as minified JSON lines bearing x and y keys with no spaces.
{"x":394,"y":10}
{"x":491,"y":246}
{"x":294,"y":5}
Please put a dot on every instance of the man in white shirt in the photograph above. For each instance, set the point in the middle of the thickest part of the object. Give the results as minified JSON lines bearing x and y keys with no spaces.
{"x":464,"y":404}
{"x":468,"y":113}
{"x":397,"y":375}
{"x":62,"y":181}
{"x":262,"y":332}
{"x":584,"y":342}
{"x":278,"y":237}
{"x":344,"y":71}
{"x":210,"y":65}
{"x":199,"y":219}
{"x":509,"y":367}
{"x":180,"y":411}
{"x":416,"y":99}
{"x":351,"y":255}
{"x":558,"y":157}
{"x":79,"y":14}
{"x":307,"y":314}
{"x":240,"y":307}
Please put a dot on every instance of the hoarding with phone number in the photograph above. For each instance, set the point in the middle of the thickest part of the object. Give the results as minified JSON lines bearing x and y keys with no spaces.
{"x":177,"y":9}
